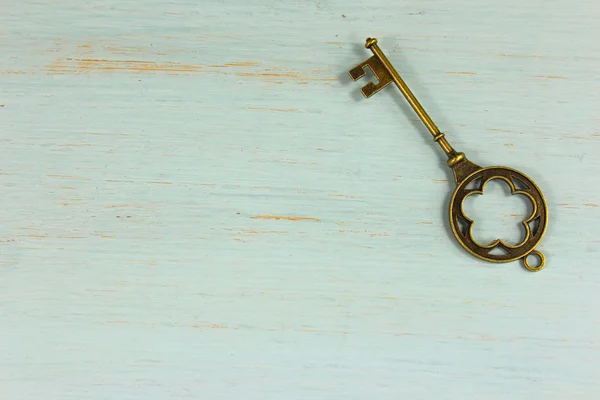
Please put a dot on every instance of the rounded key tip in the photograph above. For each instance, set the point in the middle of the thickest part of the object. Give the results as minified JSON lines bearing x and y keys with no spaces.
{"x":370,"y":42}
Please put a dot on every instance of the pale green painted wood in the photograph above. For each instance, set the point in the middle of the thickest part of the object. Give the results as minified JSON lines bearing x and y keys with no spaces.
{"x":140,"y":138}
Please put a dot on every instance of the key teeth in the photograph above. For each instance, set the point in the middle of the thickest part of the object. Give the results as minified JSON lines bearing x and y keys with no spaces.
{"x":380,"y":72}
{"x":370,"y":89}
{"x":357,"y":72}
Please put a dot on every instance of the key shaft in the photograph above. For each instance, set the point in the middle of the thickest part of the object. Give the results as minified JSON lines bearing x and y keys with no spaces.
{"x":386,"y":73}
{"x":410,"y":97}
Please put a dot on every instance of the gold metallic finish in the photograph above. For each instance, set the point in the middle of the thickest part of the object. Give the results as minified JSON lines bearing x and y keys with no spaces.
{"x":443,"y":142}
{"x":540,"y":256}
{"x":457,"y":158}
{"x":468,"y":177}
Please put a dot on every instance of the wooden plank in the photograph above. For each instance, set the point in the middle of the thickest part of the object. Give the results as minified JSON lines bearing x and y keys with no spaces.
{"x":198,"y":202}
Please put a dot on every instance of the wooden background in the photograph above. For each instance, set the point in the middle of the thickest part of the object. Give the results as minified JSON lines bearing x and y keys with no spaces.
{"x":197,"y":202}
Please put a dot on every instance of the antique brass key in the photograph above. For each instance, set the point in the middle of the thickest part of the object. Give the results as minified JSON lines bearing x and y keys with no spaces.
{"x":469,"y":178}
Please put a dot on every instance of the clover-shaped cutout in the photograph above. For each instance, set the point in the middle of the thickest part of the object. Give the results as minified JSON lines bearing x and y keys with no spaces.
{"x":498,"y":214}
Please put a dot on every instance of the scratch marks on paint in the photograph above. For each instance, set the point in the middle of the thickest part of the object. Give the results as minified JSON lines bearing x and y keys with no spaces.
{"x":284,"y":217}
{"x":208,"y":325}
{"x":568,"y":205}
{"x":246,"y":231}
{"x":14,"y":72}
{"x":100,"y":58}
{"x":37,"y":236}
{"x":75,"y":178}
{"x":523,"y":55}
{"x":344,"y":196}
{"x":575,"y":137}
{"x":123,"y":50}
{"x":273,"y":109}
{"x":126,"y":205}
{"x":550,"y":77}
{"x":238,"y":64}
{"x":296,"y":162}
{"x":180,"y":325}
{"x":89,"y":65}
{"x":283,"y":75}
{"x":379,"y":234}
{"x":101,"y":235}
{"x":461,"y":73}
{"x":83,"y":65}
{"x":591,"y":205}
{"x":500,"y":130}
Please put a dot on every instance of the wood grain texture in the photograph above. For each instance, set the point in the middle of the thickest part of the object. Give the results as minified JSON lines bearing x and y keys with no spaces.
{"x":198,"y":203}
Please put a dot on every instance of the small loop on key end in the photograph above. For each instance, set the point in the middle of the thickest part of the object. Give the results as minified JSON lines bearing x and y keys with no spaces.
{"x":540,"y":257}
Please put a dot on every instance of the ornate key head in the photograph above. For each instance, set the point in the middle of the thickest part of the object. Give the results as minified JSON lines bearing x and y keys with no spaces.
{"x":534,"y":225}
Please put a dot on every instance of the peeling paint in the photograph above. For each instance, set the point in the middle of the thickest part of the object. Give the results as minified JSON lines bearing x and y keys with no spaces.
{"x":71,"y":65}
{"x":101,"y":235}
{"x":79,"y":65}
{"x":461,"y":73}
{"x":500,"y":130}
{"x":273,"y":109}
{"x":550,"y":77}
{"x":344,"y":196}
{"x":289,"y":218}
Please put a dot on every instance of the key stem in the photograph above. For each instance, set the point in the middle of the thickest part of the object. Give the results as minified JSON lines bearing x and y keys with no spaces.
{"x":438,"y":136}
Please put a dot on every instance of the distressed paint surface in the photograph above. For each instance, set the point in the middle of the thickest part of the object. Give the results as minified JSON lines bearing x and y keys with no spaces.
{"x":198,"y":203}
